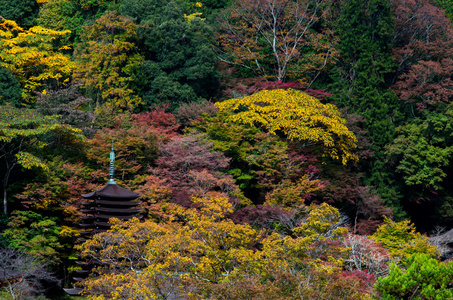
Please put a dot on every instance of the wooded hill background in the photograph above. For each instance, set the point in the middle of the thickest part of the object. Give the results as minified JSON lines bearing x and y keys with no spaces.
{"x":281,"y":107}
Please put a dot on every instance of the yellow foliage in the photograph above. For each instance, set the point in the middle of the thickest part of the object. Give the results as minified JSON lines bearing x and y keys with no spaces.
{"x":191,"y":17}
{"x":28,"y":161}
{"x":30,"y":57}
{"x":401,"y":239}
{"x":151,"y":260}
{"x":298,"y":116}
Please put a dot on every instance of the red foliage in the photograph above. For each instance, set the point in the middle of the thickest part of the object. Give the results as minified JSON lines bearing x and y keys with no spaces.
{"x":162,"y":123}
{"x":366,"y":280}
{"x":238,"y":87}
{"x":60,"y":194}
{"x":191,"y":168}
{"x":423,"y":49}
{"x":266,"y":216}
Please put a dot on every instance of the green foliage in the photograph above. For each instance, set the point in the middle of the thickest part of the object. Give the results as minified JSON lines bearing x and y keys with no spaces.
{"x":34,"y":234}
{"x":422,"y":277}
{"x":22,"y":135}
{"x":401,"y":239}
{"x":365,"y":29}
{"x":361,"y":84}
{"x":179,"y":64}
{"x":422,"y":149}
{"x":259,"y":160}
{"x":62,"y":15}
{"x":10,"y":90}
{"x":447,"y":6}
{"x":24,"y":12}
{"x":106,"y":61}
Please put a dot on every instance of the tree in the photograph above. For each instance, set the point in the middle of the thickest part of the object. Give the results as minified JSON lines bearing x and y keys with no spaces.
{"x":23,"y":12}
{"x":135,"y":147}
{"x":179,"y":64}
{"x":33,"y":234}
{"x":191,"y":168}
{"x":361,"y":83}
{"x":203,"y":254}
{"x":21,"y":133}
{"x":30,"y":56}
{"x":422,"y":48}
{"x":422,"y":277}
{"x":365,"y":254}
{"x":10,"y":90}
{"x":401,"y":239}
{"x":23,"y":275}
{"x":297,"y":116}
{"x":266,"y":37}
{"x":62,"y":15}
{"x":106,"y":61}
{"x":69,"y":103}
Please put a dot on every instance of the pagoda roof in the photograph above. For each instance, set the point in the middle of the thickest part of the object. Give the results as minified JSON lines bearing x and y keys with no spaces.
{"x":119,"y":210}
{"x":73,"y":291}
{"x":102,"y":216}
{"x":118,"y":203}
{"x":112,"y":191}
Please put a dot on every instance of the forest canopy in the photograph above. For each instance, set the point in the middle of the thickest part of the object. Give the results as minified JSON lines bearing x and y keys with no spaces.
{"x":281,"y":149}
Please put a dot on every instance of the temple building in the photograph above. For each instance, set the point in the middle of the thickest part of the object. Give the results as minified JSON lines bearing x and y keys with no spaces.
{"x":110,"y":201}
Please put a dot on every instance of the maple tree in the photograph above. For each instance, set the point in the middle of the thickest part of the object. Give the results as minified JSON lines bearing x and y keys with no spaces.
{"x":135,"y":148}
{"x":30,"y":56}
{"x":22,"y":132}
{"x":207,"y":255}
{"x":236,"y":87}
{"x":423,"y":56}
{"x":266,"y":37}
{"x":260,"y":161}
{"x":297,"y":116}
{"x":191,"y":168}
{"x":57,"y":191}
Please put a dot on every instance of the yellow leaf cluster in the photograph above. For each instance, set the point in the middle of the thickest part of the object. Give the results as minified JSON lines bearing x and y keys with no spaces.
{"x":30,"y":56}
{"x":153,"y":259}
{"x":191,"y":17}
{"x":28,"y":161}
{"x":297,"y":116}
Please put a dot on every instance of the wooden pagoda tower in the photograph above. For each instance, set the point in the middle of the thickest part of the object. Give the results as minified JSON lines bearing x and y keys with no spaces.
{"x":110,"y":201}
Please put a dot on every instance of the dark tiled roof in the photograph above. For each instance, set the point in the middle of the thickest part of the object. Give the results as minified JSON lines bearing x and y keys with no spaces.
{"x":112,"y":191}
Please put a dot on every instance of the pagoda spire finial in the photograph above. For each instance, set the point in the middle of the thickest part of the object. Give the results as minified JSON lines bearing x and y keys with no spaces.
{"x":112,"y":166}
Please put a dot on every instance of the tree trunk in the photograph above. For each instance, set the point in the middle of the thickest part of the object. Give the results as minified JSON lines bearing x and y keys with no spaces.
{"x":5,"y":185}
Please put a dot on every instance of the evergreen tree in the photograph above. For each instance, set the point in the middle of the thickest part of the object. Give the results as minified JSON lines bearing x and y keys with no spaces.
{"x":361,"y":85}
{"x":180,"y":64}
{"x":10,"y":91}
{"x":24,"y":12}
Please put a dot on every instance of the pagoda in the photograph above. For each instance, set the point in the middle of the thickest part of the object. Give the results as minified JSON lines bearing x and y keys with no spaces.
{"x":110,"y":201}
